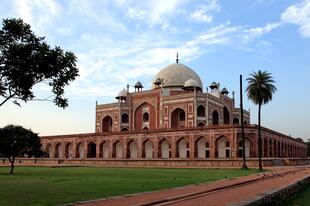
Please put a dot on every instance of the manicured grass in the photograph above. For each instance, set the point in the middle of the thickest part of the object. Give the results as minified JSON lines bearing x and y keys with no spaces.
{"x":52,"y":186}
{"x":301,"y":199}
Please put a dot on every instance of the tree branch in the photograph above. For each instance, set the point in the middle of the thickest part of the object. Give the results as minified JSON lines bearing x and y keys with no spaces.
{"x":9,"y":97}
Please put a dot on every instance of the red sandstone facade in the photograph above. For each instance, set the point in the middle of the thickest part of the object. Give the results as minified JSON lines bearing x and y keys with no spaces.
{"x":174,"y":119}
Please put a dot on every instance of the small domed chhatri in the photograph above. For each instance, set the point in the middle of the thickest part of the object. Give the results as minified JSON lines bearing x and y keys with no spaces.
{"x":176,"y":118}
{"x":122,"y":93}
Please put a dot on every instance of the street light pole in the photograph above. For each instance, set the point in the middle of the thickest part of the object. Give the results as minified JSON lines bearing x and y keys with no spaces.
{"x":244,"y":166}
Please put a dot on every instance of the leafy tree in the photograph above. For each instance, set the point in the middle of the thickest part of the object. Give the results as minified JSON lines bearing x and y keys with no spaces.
{"x":16,"y":141}
{"x":260,"y":90}
{"x":26,"y":60}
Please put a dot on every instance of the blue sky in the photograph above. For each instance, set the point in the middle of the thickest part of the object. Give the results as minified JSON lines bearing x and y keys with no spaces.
{"x":122,"y":41}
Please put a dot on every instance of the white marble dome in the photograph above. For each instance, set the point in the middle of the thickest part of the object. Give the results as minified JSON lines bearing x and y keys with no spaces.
{"x":192,"y":83}
{"x":175,"y":75}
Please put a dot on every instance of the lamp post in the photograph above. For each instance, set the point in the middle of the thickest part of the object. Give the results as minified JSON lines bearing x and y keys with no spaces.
{"x":244,"y":166}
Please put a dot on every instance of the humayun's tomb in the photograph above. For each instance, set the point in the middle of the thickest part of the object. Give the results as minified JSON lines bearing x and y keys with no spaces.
{"x":174,"y":120}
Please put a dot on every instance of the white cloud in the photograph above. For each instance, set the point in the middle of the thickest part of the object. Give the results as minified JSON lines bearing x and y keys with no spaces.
{"x":221,"y":34}
{"x":162,"y":9}
{"x":204,"y":13}
{"x":259,"y":31}
{"x":299,"y":14}
{"x":38,"y":13}
{"x":135,"y":13}
{"x":111,"y":53}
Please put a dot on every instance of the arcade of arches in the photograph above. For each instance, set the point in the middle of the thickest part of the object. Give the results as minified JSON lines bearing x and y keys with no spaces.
{"x":174,"y":144}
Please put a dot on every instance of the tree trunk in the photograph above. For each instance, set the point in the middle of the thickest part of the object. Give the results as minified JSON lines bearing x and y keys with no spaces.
{"x":259,"y":140}
{"x":12,"y":165}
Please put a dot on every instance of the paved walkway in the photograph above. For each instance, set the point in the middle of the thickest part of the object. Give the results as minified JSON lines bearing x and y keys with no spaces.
{"x":223,"y":192}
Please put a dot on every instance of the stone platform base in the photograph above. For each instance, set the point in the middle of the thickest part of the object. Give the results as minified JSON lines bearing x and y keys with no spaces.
{"x":275,"y":196}
{"x":237,"y":163}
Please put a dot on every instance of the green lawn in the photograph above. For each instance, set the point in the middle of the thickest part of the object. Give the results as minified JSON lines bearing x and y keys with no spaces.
{"x":51,"y":186}
{"x":301,"y":199}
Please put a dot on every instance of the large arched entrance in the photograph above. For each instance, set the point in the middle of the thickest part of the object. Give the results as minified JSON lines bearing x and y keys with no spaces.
{"x":164,"y":149}
{"x":132,"y":149}
{"x":223,"y":147}
{"x":215,"y":118}
{"x":91,"y":150}
{"x":104,"y":150}
{"x":226,"y":116}
{"x":202,"y":148}
{"x":58,"y":151}
{"x":147,"y":149}
{"x":182,"y":150}
{"x":117,"y":150}
{"x":145,"y":117}
{"x":107,"y":124}
{"x":177,"y":118}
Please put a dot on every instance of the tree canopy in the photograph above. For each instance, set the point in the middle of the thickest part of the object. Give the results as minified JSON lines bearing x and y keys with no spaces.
{"x":260,"y":87}
{"x":16,"y":141}
{"x":26,"y":60}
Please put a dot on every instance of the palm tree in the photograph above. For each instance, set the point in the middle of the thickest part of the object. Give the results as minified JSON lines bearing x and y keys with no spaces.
{"x":260,"y":90}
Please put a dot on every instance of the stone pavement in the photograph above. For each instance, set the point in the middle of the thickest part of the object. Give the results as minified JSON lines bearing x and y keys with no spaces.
{"x":222,"y":192}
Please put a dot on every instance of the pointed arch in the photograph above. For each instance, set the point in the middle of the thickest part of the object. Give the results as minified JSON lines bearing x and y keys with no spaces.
{"x":48,"y":150}
{"x":247,"y":147}
{"x":117,"y":149}
{"x":132,"y":149}
{"x":215,"y":118}
{"x":125,"y":118}
{"x":79,"y":152}
{"x":58,"y":151}
{"x":145,"y":116}
{"x":91,"y":150}
{"x":270,"y":148}
{"x":164,"y":149}
{"x":182,"y":148}
{"x":69,"y":150}
{"x":147,"y":149}
{"x":202,"y":148}
{"x":226,"y":115}
{"x":104,"y":150}
{"x":106,"y":125}
{"x":223,"y":147}
{"x":235,"y":120}
{"x":201,"y":111}
{"x":177,"y":117}
{"x":124,"y":129}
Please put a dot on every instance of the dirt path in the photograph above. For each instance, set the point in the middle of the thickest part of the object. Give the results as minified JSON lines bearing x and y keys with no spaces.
{"x":221,"y":192}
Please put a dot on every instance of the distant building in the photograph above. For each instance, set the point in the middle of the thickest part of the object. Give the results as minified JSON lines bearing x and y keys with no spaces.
{"x":174,"y":119}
